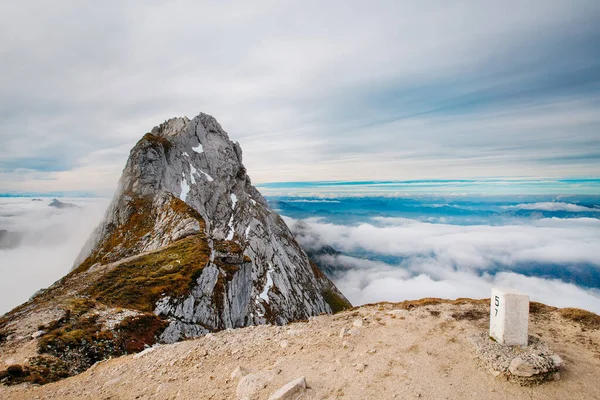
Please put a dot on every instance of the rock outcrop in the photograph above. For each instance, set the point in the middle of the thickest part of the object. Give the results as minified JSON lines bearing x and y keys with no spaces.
{"x":187,"y":246}
{"x":188,"y":177}
{"x":60,"y":204}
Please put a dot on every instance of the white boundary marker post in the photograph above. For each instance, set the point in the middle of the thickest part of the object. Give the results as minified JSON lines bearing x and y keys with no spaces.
{"x":509,"y":317}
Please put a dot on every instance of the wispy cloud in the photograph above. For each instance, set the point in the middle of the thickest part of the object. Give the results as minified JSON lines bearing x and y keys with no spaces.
{"x":313,"y":91}
{"x":552,"y":206}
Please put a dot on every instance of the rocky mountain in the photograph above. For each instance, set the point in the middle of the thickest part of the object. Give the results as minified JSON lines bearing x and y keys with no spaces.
{"x":187,"y":246}
{"x":61,"y":204}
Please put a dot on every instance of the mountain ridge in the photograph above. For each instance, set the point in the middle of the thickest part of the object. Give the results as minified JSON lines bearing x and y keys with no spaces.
{"x":187,"y":246}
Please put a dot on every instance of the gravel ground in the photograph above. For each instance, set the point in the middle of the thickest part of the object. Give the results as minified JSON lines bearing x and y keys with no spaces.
{"x":381,"y":351}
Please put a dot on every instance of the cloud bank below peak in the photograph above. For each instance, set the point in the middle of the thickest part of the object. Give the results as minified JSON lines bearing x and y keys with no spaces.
{"x":393,"y":259}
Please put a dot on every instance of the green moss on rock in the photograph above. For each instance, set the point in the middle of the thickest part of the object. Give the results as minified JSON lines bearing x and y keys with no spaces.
{"x":140,"y":283}
{"x":336,"y":302}
{"x":585,"y":318}
{"x":125,"y":236}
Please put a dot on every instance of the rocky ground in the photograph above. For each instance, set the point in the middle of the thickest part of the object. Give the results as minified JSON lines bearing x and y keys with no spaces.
{"x":420,"y":349}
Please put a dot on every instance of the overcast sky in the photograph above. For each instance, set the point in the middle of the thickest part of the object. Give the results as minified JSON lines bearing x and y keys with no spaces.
{"x":312,"y":90}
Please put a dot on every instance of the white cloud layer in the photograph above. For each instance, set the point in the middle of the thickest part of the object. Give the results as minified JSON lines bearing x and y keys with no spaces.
{"x":552,"y":206}
{"x":439,"y":260}
{"x":51,"y":240}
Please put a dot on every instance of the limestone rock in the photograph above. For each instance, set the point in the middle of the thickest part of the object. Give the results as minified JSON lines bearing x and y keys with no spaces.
{"x":557,"y":360}
{"x":144,"y":352}
{"x":360,"y":367}
{"x":38,"y":334}
{"x":291,"y":391}
{"x":530,"y":365}
{"x":239,"y":373}
{"x":186,"y":178}
{"x":251,"y":384}
{"x":519,"y":367}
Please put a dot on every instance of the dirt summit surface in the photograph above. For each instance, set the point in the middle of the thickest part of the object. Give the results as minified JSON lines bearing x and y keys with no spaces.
{"x":419,"y":349}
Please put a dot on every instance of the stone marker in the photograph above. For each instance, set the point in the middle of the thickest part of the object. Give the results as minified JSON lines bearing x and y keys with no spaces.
{"x":509,"y":317}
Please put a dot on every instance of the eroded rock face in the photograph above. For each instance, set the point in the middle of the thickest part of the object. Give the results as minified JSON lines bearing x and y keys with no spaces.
{"x":257,"y":273}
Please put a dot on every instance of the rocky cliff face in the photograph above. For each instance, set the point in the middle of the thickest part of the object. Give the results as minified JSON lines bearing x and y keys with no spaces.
{"x":187,"y":178}
{"x":187,"y":246}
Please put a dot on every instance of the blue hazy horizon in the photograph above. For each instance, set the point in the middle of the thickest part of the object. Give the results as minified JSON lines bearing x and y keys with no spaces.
{"x":495,"y":186}
{"x":491,"y":186}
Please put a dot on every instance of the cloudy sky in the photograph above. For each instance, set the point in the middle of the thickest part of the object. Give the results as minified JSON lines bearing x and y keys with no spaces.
{"x":312,"y":90}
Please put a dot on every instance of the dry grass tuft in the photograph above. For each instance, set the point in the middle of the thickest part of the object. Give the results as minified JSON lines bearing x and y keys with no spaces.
{"x":585,"y":318}
{"x":470,"y":315}
{"x":539,"y":308}
{"x":41,"y":370}
{"x":427,"y":301}
{"x":140,"y":283}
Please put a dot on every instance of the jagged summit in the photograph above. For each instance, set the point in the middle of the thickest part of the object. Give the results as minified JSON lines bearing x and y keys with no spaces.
{"x":187,"y":246}
{"x":186,"y":178}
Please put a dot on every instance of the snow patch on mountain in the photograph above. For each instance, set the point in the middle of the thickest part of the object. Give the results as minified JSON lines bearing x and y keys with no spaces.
{"x":192,"y":173}
{"x":198,"y":149}
{"x":265,"y":293}
{"x":185,"y":188}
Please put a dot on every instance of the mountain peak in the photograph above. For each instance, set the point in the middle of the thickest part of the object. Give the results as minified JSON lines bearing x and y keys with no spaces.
{"x":187,"y":246}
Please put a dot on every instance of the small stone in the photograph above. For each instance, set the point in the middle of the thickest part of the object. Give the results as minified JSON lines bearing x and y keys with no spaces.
{"x":239,"y":373}
{"x":251,"y":384}
{"x":290,"y":391}
{"x":112,"y":382}
{"x":556,"y":376}
{"x":284,"y":344}
{"x":143,"y":353}
{"x":38,"y":334}
{"x":360,"y":367}
{"x":358,"y":323}
{"x":518,"y":367}
{"x":342,"y":333}
{"x":557,"y":360}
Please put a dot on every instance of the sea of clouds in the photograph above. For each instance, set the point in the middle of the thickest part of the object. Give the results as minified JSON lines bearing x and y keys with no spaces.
{"x":555,"y":260}
{"x":50,"y":239}
{"x":394,"y":259}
